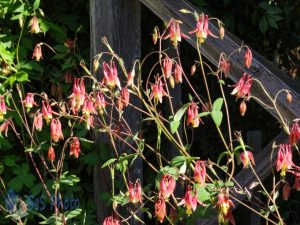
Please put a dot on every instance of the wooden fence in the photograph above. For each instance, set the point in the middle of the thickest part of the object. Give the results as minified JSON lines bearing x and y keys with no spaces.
{"x":119,"y":20}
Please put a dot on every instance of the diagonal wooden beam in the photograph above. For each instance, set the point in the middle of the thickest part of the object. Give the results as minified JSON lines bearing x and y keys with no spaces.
{"x":265,"y":163}
{"x":270,"y":76}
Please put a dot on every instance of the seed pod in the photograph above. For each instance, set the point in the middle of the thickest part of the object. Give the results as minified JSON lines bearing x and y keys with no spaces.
{"x":243,"y":108}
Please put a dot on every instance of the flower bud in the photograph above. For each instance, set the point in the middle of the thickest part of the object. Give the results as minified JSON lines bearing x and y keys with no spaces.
{"x":51,"y":154}
{"x":222,"y":32}
{"x":38,"y":121}
{"x":286,"y":190}
{"x":56,"y":131}
{"x":160,"y":209}
{"x":193,"y":69}
{"x":243,"y":108}
{"x":96,"y":64}
{"x":178,"y":73}
{"x":167,"y":67}
{"x":154,"y":35}
{"x":289,"y":97}
{"x":171,"y":82}
{"x":248,"y":58}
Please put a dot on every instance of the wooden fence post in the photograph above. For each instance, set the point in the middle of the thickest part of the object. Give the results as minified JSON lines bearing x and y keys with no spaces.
{"x":119,"y":22}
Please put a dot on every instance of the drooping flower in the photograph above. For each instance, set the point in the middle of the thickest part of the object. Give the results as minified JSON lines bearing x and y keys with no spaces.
{"x":160,"y":209}
{"x":51,"y":154}
{"x":157,"y":91}
{"x":78,"y":95}
{"x":111,"y":78}
{"x":224,"y":65}
{"x":286,"y":191}
{"x":111,"y":221}
{"x":34,"y":23}
{"x":55,"y":130}
{"x":247,"y":158}
{"x":100,"y":102}
{"x":88,"y":107}
{"x":284,"y":159}
{"x":46,"y":111}
{"x":123,"y":99}
{"x":201,"y":29}
{"x":224,"y":205}
{"x":178,"y":73}
{"x":175,"y":33}
{"x":242,"y":88}
{"x":2,"y":108}
{"x":190,"y":200}
{"x":29,"y":101}
{"x":200,"y":172}
{"x":167,"y":67}
{"x":75,"y":147}
{"x":294,"y":133}
{"x":135,"y":192}
{"x":38,"y":121}
{"x":37,"y":52}
{"x":167,"y":185}
{"x":89,"y":122}
{"x":248,"y":58}
{"x":4,"y":127}
{"x":130,"y":77}
{"x":192,"y":115}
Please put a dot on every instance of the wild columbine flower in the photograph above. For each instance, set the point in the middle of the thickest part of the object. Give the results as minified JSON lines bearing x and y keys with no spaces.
{"x":55,"y":130}
{"x":100,"y":102}
{"x":178,"y":73}
{"x":190,"y":200}
{"x":175,"y":33}
{"x":38,"y":121}
{"x":75,"y":147}
{"x":88,"y":107}
{"x":29,"y":101}
{"x":111,"y":76}
{"x":78,"y":95}
{"x":111,"y":221}
{"x":46,"y":111}
{"x":247,"y":158}
{"x":224,"y":65}
{"x":192,"y":115}
{"x":286,"y":191}
{"x":160,"y":209}
{"x":294,"y":133}
{"x":224,"y":205}
{"x":51,"y":154}
{"x":135,"y":192}
{"x":248,"y":58}
{"x":297,"y":183}
{"x":2,"y":108}
{"x":167,"y":185}
{"x":200,"y":172}
{"x":284,"y":159}
{"x":34,"y":23}
{"x":167,"y":67}
{"x":4,"y":127}
{"x":201,"y":29}
{"x":157,"y":91}
{"x":37,"y":52}
{"x":242,"y":88}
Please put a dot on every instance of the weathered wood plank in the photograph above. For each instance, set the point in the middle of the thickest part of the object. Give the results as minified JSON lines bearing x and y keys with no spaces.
{"x":263,"y":168}
{"x":119,"y":21}
{"x":271,"y":77}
